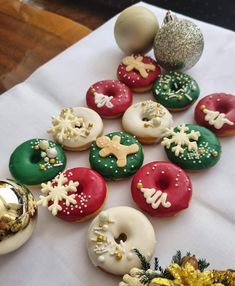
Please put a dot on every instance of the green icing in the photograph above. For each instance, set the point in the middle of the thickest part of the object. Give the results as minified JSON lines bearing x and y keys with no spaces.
{"x":107,"y":166}
{"x":175,"y":90}
{"x":207,"y":143}
{"x":28,"y":166}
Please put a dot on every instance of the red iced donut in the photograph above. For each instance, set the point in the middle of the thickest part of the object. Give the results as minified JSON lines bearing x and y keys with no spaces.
{"x":161,"y":189}
{"x":138,"y":72}
{"x":109,"y":98}
{"x":74,"y":195}
{"x":217,"y":112}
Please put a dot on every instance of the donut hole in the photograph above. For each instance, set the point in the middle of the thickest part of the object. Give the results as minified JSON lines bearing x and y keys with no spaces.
{"x":223,"y":107}
{"x":122,"y":237}
{"x":163,"y":182}
{"x":175,"y":87}
{"x":145,"y":119}
{"x":110,"y":92}
{"x":79,"y":127}
{"x":36,"y":157}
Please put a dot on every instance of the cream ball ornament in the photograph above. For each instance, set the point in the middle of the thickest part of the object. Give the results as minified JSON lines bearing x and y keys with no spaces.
{"x":135,"y":30}
{"x":18,"y":215}
{"x":178,"y":44}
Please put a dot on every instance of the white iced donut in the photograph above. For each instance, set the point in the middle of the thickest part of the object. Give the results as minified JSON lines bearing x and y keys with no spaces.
{"x":114,"y":234}
{"x":76,"y":128}
{"x":147,"y":120}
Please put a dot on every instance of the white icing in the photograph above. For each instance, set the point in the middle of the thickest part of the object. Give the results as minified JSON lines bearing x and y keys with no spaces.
{"x":158,"y":117}
{"x":102,"y":243}
{"x":56,"y":191}
{"x":44,"y":145}
{"x":181,"y":139}
{"x":216,"y":118}
{"x":67,"y":133}
{"x":102,"y":99}
{"x":155,"y":198}
{"x":52,"y":153}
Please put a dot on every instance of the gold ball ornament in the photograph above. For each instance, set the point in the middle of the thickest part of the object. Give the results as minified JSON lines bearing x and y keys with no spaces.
{"x":135,"y":30}
{"x":178,"y":44}
{"x":18,"y":215}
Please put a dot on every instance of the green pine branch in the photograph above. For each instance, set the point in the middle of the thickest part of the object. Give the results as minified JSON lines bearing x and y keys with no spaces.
{"x":145,"y":264}
{"x":203,"y":264}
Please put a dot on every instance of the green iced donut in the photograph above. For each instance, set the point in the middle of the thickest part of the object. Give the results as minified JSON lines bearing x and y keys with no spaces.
{"x":36,"y":161}
{"x":116,"y":155}
{"x":192,"y":147}
{"x":175,"y":90}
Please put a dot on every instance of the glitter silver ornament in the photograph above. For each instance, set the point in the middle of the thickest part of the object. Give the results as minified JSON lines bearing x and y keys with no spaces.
{"x":178,"y":44}
{"x":18,"y":215}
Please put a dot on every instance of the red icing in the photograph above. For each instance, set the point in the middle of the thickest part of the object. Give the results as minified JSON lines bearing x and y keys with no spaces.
{"x":122,"y":97}
{"x":133,"y":79}
{"x":90,"y":196}
{"x":222,"y":102}
{"x":165,"y":177}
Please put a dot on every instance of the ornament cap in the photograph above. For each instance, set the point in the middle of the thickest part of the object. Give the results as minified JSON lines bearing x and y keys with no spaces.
{"x":170,"y":17}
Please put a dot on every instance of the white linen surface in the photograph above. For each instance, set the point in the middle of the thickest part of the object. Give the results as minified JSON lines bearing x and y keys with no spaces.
{"x":56,"y":253}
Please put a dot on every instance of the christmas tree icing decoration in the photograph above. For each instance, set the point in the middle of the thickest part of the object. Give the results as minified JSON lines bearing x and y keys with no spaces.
{"x":57,"y":191}
{"x":154,"y":197}
{"x":180,"y":139}
{"x":103,"y":243}
{"x":103,"y":100}
{"x":215,"y":118}
{"x":136,"y":63}
{"x":67,"y":126}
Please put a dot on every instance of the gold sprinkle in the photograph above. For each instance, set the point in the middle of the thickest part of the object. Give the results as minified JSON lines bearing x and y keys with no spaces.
{"x":202,"y":107}
{"x":139,"y":185}
{"x":87,"y":132}
{"x":52,"y":161}
{"x":165,"y":87}
{"x":201,"y":151}
{"x":214,"y":153}
{"x":90,"y":125}
{"x":143,"y":103}
{"x":93,"y":90}
{"x":42,"y":167}
{"x":36,"y":147}
{"x":118,"y":255}
{"x":180,"y":97}
{"x":101,"y":238}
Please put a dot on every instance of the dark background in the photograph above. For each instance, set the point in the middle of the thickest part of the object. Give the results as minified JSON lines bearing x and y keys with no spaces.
{"x":218,"y":12}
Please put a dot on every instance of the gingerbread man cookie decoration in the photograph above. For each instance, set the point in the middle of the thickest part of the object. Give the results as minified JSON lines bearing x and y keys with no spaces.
{"x":137,"y":63}
{"x":114,"y":147}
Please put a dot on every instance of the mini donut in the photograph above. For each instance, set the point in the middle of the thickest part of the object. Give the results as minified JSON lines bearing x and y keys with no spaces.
{"x":147,"y":120}
{"x":217,"y":112}
{"x":76,"y":128}
{"x":161,"y":189}
{"x":138,"y":72}
{"x":74,"y":195}
{"x":109,"y":98}
{"x":176,"y":91}
{"x":116,"y":155}
{"x":192,"y":147}
{"x":114,"y":234}
{"x":36,"y":161}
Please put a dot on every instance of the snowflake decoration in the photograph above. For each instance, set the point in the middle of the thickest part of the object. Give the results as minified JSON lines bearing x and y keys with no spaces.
{"x":181,"y":138}
{"x":67,"y":125}
{"x":57,"y":190}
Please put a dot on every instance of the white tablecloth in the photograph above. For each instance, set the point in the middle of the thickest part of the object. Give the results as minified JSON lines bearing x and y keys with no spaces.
{"x":56,"y":253}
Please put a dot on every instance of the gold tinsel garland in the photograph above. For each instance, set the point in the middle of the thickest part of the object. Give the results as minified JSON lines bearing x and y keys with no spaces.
{"x":183,"y":271}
